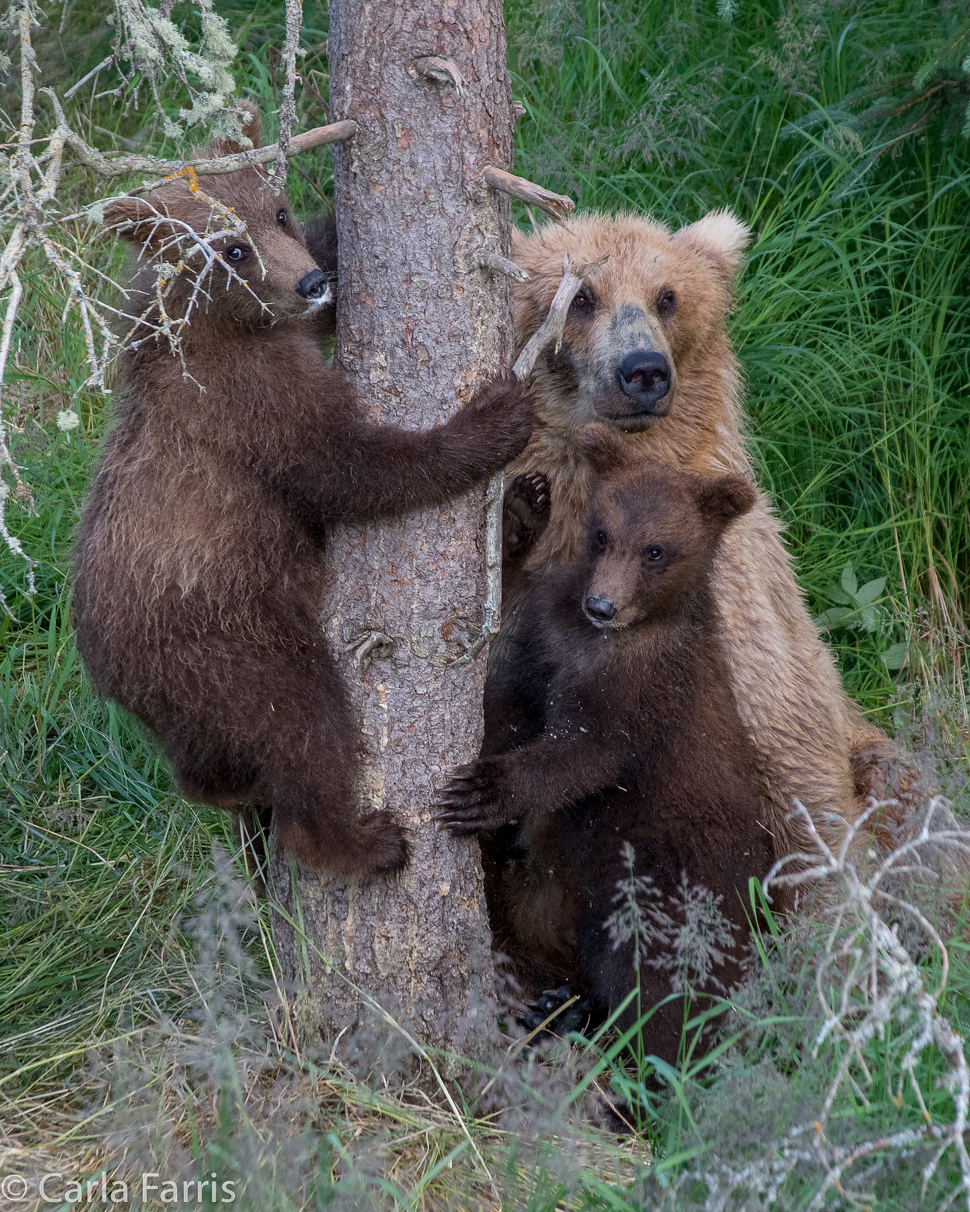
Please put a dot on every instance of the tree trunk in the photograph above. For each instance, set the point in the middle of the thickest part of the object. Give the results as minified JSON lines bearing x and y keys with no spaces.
{"x":420,"y":327}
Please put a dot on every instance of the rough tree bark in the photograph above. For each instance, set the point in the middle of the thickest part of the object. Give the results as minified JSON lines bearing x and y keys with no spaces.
{"x":421,"y":325}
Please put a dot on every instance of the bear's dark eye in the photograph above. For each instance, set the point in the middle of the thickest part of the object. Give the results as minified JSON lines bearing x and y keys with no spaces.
{"x":236,"y":253}
{"x":655,"y":553}
{"x":600,"y":540}
{"x":281,"y":217}
{"x":584,"y":301}
{"x":666,"y":303}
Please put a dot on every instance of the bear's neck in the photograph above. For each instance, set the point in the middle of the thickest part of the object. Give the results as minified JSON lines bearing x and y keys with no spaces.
{"x":228,"y":391}
{"x":664,"y":671}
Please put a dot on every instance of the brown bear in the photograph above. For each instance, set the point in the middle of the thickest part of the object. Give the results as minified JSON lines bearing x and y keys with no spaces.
{"x":626,"y":757}
{"x":201,"y":555}
{"x":646,"y":352}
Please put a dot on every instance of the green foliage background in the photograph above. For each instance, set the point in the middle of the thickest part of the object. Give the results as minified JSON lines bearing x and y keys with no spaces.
{"x":852,"y":325}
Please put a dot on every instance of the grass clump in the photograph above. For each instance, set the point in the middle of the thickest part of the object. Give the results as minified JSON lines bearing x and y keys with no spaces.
{"x":143,"y":1020}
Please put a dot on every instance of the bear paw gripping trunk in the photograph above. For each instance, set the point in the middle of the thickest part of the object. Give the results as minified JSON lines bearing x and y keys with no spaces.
{"x":419,"y":324}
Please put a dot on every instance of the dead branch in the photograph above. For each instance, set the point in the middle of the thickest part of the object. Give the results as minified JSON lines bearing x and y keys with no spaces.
{"x":294,"y":22}
{"x":116,"y":166}
{"x":552,"y":326}
{"x":556,"y":205}
{"x":551,"y":330}
{"x":105,"y":63}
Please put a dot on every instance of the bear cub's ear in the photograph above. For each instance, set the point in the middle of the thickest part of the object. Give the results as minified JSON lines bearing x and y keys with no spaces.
{"x":225,"y":145}
{"x":726,"y":498}
{"x":604,"y":449}
{"x":144,"y":221}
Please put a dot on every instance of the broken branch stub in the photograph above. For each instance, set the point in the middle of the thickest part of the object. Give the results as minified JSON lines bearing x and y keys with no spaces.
{"x":556,"y":205}
{"x":551,"y":330}
{"x":495,"y":264}
{"x":441,"y":71}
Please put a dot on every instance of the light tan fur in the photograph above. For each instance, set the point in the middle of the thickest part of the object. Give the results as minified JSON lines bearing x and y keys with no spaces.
{"x":789,"y":696}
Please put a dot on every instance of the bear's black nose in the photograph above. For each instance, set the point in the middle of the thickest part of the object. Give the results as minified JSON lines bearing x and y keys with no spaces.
{"x":644,"y":376}
{"x":312,"y":285}
{"x":599,"y":609}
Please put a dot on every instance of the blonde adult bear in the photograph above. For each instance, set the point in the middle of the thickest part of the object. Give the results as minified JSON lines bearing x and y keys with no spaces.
{"x":646,"y":352}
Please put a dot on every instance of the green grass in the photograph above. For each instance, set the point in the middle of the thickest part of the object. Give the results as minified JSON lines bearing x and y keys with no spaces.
{"x":853,"y":327}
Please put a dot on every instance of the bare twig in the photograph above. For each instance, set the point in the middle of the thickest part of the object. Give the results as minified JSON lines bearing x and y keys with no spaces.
{"x":556,"y":205}
{"x":551,"y":330}
{"x":105,"y":63}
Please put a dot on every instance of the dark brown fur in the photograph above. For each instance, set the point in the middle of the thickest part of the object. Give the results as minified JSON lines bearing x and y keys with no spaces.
{"x":201,"y":557}
{"x":626,"y":731}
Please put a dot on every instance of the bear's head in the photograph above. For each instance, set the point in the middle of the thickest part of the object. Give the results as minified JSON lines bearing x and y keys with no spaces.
{"x":652,"y":306}
{"x":255,"y":272}
{"x":653,"y":532}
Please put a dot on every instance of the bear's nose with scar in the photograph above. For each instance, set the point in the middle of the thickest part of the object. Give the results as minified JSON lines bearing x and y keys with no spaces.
{"x":644,"y":376}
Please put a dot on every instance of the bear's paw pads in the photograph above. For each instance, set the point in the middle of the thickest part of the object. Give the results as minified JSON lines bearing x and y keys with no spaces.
{"x":572,"y":1013}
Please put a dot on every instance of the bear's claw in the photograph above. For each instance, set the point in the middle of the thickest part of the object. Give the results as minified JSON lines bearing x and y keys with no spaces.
{"x":469,"y":802}
{"x":526,"y":511}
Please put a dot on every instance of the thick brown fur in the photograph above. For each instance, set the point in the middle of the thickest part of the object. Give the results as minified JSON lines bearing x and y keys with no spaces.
{"x":671,"y":292}
{"x":201,"y":557}
{"x":625,"y":731}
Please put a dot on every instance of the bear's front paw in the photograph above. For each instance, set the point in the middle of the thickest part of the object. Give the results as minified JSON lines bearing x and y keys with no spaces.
{"x":473,"y":799}
{"x":526,"y":512}
{"x":505,"y":413}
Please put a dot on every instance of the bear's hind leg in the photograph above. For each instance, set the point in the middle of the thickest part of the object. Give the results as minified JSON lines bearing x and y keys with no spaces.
{"x":309,"y":778}
{"x":218,"y":782}
{"x":608,"y":977}
{"x":317,"y":823}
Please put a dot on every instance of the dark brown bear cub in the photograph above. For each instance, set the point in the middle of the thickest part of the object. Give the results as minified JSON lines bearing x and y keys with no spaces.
{"x":613,"y":727}
{"x":201,"y":557}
